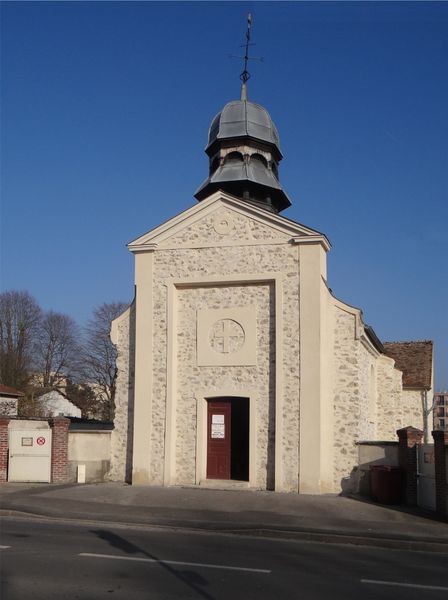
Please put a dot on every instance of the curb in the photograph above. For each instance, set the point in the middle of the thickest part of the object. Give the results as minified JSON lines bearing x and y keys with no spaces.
{"x":347,"y":538}
{"x":344,"y":538}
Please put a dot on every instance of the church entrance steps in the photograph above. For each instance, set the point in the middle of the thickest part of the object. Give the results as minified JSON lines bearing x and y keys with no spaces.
{"x":224,"y":484}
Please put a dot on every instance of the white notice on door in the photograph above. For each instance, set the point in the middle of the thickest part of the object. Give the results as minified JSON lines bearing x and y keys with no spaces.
{"x":218,"y":430}
{"x":217,"y":418}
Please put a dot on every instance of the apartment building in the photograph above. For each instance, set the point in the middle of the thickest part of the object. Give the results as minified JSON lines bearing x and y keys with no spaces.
{"x":441,"y":410}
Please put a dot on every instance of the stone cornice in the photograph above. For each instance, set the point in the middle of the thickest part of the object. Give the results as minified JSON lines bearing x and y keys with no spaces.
{"x":138,"y":248}
{"x":299,"y":233}
{"x":312,"y":239}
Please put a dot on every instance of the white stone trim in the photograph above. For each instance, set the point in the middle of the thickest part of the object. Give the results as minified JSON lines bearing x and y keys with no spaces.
{"x":202,"y":397}
{"x":316,"y":406}
{"x":312,"y":239}
{"x":171,"y":387}
{"x":279,"y":400}
{"x":143,"y":369}
{"x":170,"y":436}
{"x":137,"y":248}
{"x":193,"y":214}
{"x":365,"y":341}
{"x":224,"y":244}
{"x":353,"y":310}
{"x":215,"y":280}
{"x":236,"y":243}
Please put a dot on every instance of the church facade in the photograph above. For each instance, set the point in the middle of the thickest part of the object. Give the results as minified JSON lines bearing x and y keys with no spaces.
{"x":236,"y":364}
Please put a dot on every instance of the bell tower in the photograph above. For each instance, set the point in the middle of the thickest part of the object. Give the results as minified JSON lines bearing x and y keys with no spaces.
{"x":244,"y":151}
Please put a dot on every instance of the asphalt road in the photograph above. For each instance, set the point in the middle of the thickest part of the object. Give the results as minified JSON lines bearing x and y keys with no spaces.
{"x":65,"y":561}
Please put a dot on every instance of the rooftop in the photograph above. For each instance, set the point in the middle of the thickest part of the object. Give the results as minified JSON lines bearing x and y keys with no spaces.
{"x":241,"y":118}
{"x":414,"y":359}
{"x":5,"y":390}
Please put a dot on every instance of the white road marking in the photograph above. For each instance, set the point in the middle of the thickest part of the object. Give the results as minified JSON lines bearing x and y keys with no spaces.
{"x":4,"y":547}
{"x":173,"y":562}
{"x":408,"y":585}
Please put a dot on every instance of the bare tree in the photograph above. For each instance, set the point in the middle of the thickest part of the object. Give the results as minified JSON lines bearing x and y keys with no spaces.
{"x":100,"y":355}
{"x":83,"y":396}
{"x":19,"y":320}
{"x":428,"y":408}
{"x":57,"y":349}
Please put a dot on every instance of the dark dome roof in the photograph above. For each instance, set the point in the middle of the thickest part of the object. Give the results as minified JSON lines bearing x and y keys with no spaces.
{"x":241,"y":118}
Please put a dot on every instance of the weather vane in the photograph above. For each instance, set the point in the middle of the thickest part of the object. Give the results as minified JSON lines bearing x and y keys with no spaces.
{"x":245,"y":75}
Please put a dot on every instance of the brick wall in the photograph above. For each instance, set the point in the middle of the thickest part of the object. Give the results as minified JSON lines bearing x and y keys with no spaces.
{"x":59,"y":449}
{"x":440,"y":460}
{"x":4,"y":422}
{"x":408,"y":438}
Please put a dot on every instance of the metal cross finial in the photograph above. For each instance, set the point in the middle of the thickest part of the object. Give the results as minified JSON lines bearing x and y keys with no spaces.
{"x":245,"y":75}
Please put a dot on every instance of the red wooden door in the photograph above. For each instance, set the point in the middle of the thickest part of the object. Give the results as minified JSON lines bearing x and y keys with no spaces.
{"x":218,"y":439}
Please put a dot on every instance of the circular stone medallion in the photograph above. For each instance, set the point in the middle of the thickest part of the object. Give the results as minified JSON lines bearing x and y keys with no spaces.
{"x":223,"y":225}
{"x":226,"y":336}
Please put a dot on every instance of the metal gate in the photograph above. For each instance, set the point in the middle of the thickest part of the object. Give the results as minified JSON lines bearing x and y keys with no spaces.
{"x":426,"y":480}
{"x":29,"y":455}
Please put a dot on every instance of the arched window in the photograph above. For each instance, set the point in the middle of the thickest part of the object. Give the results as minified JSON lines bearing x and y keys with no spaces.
{"x":234,"y":157}
{"x":274,"y":169}
{"x":258,"y":158}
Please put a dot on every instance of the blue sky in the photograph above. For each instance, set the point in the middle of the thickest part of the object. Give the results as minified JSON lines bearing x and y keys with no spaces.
{"x":106,"y":108}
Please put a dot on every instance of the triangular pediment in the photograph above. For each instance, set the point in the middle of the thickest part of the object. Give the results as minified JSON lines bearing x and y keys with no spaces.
{"x":223,"y":219}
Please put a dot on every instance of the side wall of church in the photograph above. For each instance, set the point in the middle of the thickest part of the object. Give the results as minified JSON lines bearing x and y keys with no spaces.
{"x":214,"y":263}
{"x":352,"y":367}
{"x":389,"y":400}
{"x":123,"y":336}
{"x":412,"y":408}
{"x":367,"y":376}
{"x":369,"y":401}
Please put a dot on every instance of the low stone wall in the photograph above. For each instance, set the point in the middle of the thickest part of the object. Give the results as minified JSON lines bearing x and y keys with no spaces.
{"x":92,"y":449}
{"x":404,"y":454}
{"x":373,"y":453}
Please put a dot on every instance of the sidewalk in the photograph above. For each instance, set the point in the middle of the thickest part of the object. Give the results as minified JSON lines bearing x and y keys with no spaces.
{"x":319,"y":518}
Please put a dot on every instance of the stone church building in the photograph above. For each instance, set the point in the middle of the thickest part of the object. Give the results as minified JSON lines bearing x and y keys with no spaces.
{"x":236,"y":364}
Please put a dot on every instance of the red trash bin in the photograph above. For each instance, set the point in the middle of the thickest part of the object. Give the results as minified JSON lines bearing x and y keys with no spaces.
{"x":386,"y":484}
